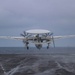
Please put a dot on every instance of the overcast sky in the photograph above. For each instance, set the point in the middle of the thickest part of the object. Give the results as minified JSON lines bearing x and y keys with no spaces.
{"x":57,"y":16}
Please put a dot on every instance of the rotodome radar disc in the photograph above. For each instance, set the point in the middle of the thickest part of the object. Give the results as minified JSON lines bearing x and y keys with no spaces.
{"x":37,"y":31}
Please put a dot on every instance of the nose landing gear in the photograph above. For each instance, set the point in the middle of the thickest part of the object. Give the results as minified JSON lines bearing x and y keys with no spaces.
{"x":27,"y":47}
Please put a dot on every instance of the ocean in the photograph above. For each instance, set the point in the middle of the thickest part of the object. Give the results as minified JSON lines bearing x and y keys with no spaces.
{"x":53,"y":61}
{"x":33,"y":50}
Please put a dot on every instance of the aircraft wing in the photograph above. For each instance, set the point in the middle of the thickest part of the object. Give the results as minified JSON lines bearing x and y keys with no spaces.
{"x":31,"y":38}
{"x":9,"y":37}
{"x":16,"y":38}
{"x":66,"y":36}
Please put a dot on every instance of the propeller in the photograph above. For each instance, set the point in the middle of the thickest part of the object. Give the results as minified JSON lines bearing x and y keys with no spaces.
{"x":45,"y":35}
{"x":23,"y":34}
{"x":52,"y":39}
{"x":51,"y":34}
{"x":48,"y":34}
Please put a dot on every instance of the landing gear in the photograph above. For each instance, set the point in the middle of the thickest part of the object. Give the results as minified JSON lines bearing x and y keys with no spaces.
{"x":48,"y":46}
{"x":27,"y":47}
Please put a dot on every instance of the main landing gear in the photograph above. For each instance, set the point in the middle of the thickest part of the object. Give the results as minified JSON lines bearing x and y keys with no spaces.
{"x":48,"y":46}
{"x":27,"y":45}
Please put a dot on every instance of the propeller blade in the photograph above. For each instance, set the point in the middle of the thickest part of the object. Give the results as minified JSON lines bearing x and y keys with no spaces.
{"x":53,"y":41}
{"x":45,"y":35}
{"x":51,"y":34}
{"x":24,"y":33}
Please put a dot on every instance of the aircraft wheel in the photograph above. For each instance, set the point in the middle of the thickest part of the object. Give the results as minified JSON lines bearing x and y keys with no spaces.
{"x":47,"y":47}
{"x":27,"y":47}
